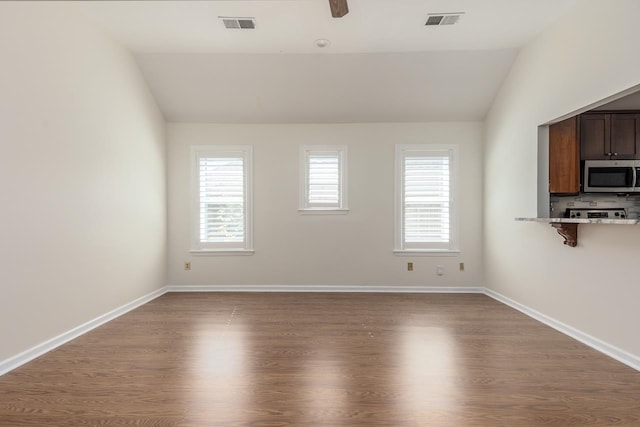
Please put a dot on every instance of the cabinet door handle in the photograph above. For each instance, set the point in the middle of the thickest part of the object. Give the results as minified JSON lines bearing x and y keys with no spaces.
{"x":615,"y":154}
{"x":608,"y":154}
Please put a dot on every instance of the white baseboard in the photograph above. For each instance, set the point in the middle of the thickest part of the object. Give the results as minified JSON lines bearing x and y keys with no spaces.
{"x":595,"y":343}
{"x":42,"y":348}
{"x":328,"y":288}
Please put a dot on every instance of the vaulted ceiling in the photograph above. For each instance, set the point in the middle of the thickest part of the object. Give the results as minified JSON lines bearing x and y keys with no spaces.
{"x":381,"y":62}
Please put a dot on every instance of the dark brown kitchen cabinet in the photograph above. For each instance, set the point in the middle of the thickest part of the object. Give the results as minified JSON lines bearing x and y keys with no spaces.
{"x":605,"y":136}
{"x":595,"y":136}
{"x":564,"y":157}
{"x":625,"y":136}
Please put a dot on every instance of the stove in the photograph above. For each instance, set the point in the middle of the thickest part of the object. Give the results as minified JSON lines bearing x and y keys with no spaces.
{"x":597,"y":213}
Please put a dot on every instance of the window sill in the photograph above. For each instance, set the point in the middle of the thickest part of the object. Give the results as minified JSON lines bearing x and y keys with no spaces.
{"x":221,"y":252}
{"x":320,"y":211}
{"x":427,"y":252}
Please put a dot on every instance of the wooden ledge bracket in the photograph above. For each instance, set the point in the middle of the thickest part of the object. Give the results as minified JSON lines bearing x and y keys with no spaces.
{"x":568,"y":231}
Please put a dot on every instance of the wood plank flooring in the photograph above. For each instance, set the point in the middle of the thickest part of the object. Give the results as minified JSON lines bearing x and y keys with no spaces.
{"x":322,"y":359}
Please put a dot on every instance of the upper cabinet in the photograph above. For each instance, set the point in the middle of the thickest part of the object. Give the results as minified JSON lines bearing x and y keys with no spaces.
{"x":605,"y":136}
{"x":564,"y":157}
{"x":595,"y":136}
{"x":625,"y":136}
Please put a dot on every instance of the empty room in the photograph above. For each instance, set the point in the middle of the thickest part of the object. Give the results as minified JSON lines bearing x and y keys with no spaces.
{"x":320,"y":213}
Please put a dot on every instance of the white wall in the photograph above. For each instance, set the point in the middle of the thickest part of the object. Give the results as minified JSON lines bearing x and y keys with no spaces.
{"x":82,"y":175}
{"x":586,"y":56}
{"x":353,"y":249}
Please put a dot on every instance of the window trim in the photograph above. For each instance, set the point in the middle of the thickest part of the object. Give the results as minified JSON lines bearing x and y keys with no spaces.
{"x":231,"y":248}
{"x":303,"y":204}
{"x":400,"y":246}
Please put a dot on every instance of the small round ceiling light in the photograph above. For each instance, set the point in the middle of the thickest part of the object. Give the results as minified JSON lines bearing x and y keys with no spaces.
{"x":322,"y":43}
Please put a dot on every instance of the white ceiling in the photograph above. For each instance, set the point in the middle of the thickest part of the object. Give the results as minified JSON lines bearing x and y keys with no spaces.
{"x":292,"y":26}
{"x":383,"y":64}
{"x":351,"y":88}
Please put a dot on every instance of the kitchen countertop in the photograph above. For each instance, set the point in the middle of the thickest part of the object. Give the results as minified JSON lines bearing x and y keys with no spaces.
{"x":582,"y":220}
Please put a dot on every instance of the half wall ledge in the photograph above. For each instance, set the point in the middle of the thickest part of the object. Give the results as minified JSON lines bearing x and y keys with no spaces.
{"x":568,"y":227}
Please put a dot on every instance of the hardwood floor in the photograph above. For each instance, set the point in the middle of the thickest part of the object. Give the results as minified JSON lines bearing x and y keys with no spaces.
{"x":303,"y":359}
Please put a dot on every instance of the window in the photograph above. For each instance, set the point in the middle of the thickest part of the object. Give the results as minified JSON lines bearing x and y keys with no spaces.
{"x":221,"y":212}
{"x":323,"y":183}
{"x":425,"y":199}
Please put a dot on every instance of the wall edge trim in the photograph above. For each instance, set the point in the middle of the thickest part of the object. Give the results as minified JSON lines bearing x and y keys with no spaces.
{"x":328,"y":288}
{"x":603,"y":347}
{"x":38,"y":350}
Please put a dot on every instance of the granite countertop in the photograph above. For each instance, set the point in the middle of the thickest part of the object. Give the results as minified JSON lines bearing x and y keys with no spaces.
{"x":582,"y":220}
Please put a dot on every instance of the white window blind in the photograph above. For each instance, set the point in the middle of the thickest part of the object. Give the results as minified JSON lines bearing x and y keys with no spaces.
{"x":425,"y":198}
{"x":221,"y":179}
{"x":221,"y":195}
{"x":324,"y":179}
{"x":323,"y":183}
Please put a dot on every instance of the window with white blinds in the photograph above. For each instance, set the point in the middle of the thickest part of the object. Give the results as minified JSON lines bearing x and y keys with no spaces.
{"x":425,"y":198}
{"x":222,"y":198}
{"x":323,"y":181}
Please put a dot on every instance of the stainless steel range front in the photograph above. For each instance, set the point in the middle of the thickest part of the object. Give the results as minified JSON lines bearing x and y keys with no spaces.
{"x":597,"y":213}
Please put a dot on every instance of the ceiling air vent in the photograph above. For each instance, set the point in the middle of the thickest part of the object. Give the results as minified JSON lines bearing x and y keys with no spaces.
{"x":443,"y":18}
{"x":238,"y":23}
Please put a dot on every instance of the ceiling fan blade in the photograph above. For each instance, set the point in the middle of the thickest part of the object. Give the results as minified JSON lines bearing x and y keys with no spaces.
{"x":339,"y":8}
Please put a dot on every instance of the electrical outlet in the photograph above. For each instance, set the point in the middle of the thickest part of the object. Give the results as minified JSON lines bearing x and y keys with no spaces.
{"x":440,"y":270}
{"x":462,"y":266}
{"x":409,"y":266}
{"x":187,"y":265}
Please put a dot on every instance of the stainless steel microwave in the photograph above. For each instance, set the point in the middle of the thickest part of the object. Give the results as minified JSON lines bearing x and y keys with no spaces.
{"x":611,"y":176}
